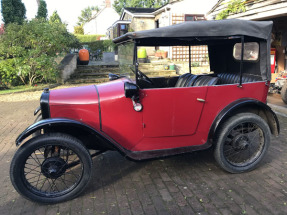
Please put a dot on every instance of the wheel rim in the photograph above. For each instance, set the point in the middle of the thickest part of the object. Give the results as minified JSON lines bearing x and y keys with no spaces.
{"x":244,"y":144}
{"x":52,"y":171}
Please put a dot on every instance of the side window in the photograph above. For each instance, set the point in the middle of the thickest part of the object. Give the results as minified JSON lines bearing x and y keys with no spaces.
{"x":251,"y":51}
{"x":196,"y":17}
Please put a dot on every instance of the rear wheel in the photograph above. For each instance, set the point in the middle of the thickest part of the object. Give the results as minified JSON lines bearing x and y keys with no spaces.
{"x":284,"y":92}
{"x":242,"y":142}
{"x":51,"y":168}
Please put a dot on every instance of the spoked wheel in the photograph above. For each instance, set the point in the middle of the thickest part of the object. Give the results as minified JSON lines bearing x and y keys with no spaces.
{"x":51,"y":168}
{"x":242,"y":142}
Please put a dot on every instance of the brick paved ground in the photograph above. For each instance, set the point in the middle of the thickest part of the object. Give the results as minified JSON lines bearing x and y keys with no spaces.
{"x":189,"y":184}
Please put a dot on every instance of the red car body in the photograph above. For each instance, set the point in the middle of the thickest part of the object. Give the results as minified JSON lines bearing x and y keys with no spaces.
{"x":171,"y":118}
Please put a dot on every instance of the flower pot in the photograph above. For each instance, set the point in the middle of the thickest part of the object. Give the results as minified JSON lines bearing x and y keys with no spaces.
{"x":172,"y":67}
{"x":142,"y":53}
{"x":164,"y":54}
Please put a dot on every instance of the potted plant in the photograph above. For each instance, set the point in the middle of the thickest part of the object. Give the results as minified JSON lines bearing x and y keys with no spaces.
{"x":161,"y":54}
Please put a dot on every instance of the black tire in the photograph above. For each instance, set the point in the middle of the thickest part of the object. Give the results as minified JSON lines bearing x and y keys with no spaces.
{"x":38,"y":118}
{"x":241,"y":143}
{"x":51,"y":168}
{"x":284,"y":92}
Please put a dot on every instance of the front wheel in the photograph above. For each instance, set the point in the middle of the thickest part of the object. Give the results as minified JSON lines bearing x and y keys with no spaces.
{"x":51,"y":168}
{"x":242,"y":142}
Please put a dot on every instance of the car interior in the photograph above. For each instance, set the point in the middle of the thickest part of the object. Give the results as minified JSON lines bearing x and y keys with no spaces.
{"x":191,"y":80}
{"x":226,"y":70}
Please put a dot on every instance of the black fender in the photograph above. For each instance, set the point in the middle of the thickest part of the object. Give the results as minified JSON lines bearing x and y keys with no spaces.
{"x":246,"y":104}
{"x":56,"y":123}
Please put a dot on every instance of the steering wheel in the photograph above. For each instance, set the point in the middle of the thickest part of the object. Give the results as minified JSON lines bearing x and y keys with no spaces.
{"x":142,"y":76}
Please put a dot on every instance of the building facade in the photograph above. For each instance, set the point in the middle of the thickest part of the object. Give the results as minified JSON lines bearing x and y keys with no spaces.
{"x":177,"y":11}
{"x":262,"y":10}
{"x":102,"y":20}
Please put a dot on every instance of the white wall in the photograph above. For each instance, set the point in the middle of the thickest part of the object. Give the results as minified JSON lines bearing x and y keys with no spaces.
{"x":102,"y":22}
{"x":193,"y":6}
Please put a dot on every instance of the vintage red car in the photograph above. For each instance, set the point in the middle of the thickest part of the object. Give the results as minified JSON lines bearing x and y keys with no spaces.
{"x":147,"y":118}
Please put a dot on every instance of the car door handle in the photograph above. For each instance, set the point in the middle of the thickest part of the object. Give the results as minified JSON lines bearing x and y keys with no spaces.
{"x":200,"y":100}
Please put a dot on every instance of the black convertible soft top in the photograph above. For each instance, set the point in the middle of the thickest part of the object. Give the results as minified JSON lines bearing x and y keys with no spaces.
{"x":214,"y":28}
{"x":220,"y":36}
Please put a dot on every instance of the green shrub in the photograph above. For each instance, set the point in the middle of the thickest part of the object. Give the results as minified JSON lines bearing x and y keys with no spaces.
{"x":94,"y":46}
{"x":94,"y":43}
{"x":109,"y":46}
{"x":103,"y":45}
{"x":233,"y":7}
{"x":29,"y":51}
{"x":79,"y":30}
{"x":195,"y":64}
{"x":88,"y":38}
{"x":8,"y":75}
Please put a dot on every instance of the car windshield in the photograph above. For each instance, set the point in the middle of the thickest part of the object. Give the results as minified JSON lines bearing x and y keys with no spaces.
{"x":165,"y":61}
{"x":126,"y":59}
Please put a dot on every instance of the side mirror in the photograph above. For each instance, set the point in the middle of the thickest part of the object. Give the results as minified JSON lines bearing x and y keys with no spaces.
{"x":131,"y":90}
{"x":113,"y":76}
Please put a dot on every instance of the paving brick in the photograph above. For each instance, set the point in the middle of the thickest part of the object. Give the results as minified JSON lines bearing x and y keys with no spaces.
{"x":187,"y":184}
{"x":136,"y":207}
{"x":195,"y":205}
{"x":165,"y":195}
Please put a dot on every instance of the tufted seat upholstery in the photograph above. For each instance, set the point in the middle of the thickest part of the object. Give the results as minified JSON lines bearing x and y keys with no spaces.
{"x":206,"y":81}
{"x":189,"y":80}
{"x":182,"y":80}
{"x":229,"y":78}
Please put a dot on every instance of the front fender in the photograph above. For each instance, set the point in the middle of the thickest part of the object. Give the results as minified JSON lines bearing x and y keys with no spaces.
{"x":62,"y":122}
{"x":245,"y":104}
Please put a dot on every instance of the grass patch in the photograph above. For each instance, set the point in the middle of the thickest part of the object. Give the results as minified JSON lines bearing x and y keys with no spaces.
{"x":24,"y":88}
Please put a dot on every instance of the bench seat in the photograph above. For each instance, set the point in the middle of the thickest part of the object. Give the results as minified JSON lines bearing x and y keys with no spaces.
{"x":229,"y":78}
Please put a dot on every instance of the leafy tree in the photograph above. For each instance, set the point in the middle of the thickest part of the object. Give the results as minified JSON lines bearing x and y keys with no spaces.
{"x":28,"y":51}
{"x":13,"y":11}
{"x":233,"y":7}
{"x":42,"y":10}
{"x":86,"y":15}
{"x":55,"y":18}
{"x":120,"y":4}
{"x":79,"y":30}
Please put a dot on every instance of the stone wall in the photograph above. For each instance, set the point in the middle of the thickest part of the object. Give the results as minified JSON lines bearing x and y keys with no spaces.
{"x":67,"y":67}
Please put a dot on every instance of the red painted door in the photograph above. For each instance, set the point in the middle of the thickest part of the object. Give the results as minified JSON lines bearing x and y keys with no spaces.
{"x":172,"y":111}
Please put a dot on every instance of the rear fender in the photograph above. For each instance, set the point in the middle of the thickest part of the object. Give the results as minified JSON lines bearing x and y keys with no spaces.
{"x":71,"y":127}
{"x":246,"y":105}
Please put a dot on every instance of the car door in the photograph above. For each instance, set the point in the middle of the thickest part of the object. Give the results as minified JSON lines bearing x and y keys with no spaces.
{"x":172,"y":111}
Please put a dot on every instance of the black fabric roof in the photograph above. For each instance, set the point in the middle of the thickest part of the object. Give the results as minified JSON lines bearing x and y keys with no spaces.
{"x":214,"y":28}
{"x":140,"y":10}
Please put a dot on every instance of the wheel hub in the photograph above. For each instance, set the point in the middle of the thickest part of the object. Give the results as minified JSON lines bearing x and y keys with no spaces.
{"x":53,"y":167}
{"x":240,"y":142}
